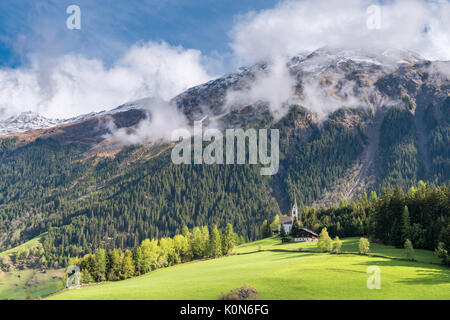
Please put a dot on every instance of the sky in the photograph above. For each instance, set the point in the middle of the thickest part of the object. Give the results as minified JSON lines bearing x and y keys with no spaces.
{"x":128,"y":50}
{"x":110,"y":27}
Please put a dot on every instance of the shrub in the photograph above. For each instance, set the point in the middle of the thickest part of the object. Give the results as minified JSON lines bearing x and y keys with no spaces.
{"x":337,"y":245}
{"x":409,"y":250}
{"x":325,"y":243}
{"x":442,"y":253}
{"x":243,"y":293}
{"x":364,"y":246}
{"x":5,"y":263}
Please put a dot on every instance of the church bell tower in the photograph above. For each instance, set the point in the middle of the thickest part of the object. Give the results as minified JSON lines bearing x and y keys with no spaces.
{"x":294,"y":211}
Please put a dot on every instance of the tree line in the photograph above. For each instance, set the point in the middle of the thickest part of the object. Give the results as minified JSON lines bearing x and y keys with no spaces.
{"x":420,"y":216}
{"x":152,"y":254}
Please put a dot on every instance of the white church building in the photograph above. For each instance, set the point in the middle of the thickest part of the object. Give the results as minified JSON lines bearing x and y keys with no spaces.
{"x":287,"y":221}
{"x":303,"y":234}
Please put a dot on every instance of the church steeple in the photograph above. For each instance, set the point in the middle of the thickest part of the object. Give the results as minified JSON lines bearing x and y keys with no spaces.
{"x":294,"y":210}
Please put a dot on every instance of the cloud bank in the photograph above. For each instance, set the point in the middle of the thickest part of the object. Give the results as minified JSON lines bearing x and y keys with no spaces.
{"x":72,"y":85}
{"x":163,"y":119}
{"x":359,"y":26}
{"x":296,"y":26}
{"x":274,"y":86}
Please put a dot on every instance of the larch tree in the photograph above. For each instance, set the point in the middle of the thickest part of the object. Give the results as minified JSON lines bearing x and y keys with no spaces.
{"x":215,"y":243}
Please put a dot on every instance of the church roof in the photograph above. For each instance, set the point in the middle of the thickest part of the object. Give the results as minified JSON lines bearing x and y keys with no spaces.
{"x":285,"y":219}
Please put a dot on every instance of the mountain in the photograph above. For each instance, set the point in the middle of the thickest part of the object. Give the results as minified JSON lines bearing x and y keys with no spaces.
{"x":26,"y":121}
{"x":29,"y":120}
{"x":355,"y":121}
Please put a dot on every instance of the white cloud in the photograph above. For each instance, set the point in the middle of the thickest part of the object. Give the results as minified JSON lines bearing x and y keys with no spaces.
{"x":274,"y":86}
{"x":163,"y":119}
{"x":73,"y":85}
{"x":296,"y":26}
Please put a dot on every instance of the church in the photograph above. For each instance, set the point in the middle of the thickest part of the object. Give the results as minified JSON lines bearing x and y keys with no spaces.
{"x":302,"y":234}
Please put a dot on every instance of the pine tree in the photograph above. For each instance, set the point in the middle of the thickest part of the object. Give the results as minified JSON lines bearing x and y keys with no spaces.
{"x":409,"y":250}
{"x":442,"y":253}
{"x":406,"y":224}
{"x":100,"y":265}
{"x":114,"y":264}
{"x":139,"y":261}
{"x":205,"y":239}
{"x":282,"y":231}
{"x":266,"y":231}
{"x":295,"y":227}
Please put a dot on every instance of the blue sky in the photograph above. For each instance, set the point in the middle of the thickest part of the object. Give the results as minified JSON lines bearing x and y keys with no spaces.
{"x":109,"y":27}
{"x":132,"y":49}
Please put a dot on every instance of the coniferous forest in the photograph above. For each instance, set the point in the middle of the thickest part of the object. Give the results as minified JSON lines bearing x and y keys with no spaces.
{"x":86,"y":202}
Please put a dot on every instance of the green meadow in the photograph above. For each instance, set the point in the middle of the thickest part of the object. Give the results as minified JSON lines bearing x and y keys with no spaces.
{"x":33,"y":243}
{"x":30,"y":283}
{"x":282,"y":271}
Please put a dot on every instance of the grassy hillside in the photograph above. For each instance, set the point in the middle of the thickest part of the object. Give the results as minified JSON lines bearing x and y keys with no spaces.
{"x":349,"y":245}
{"x":87,"y":201}
{"x":21,"y":284}
{"x":33,"y":243}
{"x":283,"y":274}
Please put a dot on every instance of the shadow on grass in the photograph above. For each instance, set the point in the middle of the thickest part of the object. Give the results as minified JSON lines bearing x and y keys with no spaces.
{"x":282,"y":251}
{"x":294,"y":256}
{"x":430,"y":276}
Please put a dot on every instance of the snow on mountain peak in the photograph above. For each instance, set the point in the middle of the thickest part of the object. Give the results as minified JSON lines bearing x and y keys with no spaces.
{"x":25,"y":121}
{"x":322,"y":62}
{"x":30,"y":120}
{"x":326,"y":57}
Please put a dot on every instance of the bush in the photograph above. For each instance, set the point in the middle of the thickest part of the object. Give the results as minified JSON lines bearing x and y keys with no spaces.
{"x":243,"y":293}
{"x":442,"y":253}
{"x":409,"y":250}
{"x":337,"y":245}
{"x":364,"y":246}
{"x":5,"y":263}
{"x":325,"y":243}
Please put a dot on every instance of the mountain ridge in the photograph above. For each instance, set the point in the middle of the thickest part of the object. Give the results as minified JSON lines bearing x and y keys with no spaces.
{"x":316,"y":62}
